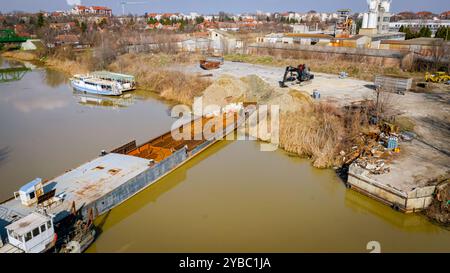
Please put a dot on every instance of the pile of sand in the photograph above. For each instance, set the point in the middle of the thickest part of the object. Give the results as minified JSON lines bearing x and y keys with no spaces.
{"x":228,"y":89}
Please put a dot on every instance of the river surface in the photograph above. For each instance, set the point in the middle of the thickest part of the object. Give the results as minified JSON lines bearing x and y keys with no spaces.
{"x":231,"y":198}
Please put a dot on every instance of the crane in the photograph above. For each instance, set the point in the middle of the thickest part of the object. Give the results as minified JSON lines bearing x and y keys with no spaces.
{"x":123,"y":3}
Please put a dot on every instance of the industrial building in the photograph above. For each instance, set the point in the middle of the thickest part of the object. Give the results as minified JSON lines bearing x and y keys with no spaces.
{"x":417,"y":24}
{"x":376,"y":20}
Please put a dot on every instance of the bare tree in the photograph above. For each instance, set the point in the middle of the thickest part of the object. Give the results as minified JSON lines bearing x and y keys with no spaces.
{"x":440,"y":54}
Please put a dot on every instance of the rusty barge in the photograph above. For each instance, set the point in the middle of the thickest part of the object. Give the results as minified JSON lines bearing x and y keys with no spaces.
{"x":57,"y":215}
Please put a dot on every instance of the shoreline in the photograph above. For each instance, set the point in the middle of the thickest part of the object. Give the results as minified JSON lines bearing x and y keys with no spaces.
{"x":68,"y":67}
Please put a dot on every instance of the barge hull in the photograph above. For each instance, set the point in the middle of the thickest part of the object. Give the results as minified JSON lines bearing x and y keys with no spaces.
{"x":415,"y":200}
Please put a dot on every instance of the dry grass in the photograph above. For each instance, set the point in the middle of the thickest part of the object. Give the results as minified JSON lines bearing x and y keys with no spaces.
{"x":405,"y":123}
{"x":20,"y":55}
{"x":150,"y":74}
{"x":153,"y":61}
{"x":359,"y":70}
{"x":312,"y":132}
{"x":301,"y":96}
{"x":320,"y":131}
{"x":67,"y":66}
{"x":175,"y":86}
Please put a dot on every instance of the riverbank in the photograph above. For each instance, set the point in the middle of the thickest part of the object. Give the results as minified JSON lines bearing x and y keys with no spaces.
{"x":334,"y":130}
{"x":323,"y":130}
{"x":277,"y":198}
{"x":152,"y":74}
{"x":66,"y":66}
{"x":20,"y":55}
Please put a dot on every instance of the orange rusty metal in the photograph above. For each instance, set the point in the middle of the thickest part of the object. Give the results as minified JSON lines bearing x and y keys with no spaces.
{"x":163,"y":146}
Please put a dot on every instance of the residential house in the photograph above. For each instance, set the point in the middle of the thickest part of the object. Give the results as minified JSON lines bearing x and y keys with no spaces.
{"x":228,"y":26}
{"x":156,"y":25}
{"x":21,"y":30}
{"x":67,"y":39}
{"x":94,"y":10}
{"x":80,"y":10}
{"x":207,"y":25}
{"x":194,"y":44}
{"x":230,"y":42}
{"x":156,"y":16}
{"x":62,"y":26}
{"x":104,"y":11}
{"x":445,"y":15}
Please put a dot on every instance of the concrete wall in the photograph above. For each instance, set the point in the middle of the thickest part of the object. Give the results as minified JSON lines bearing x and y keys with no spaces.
{"x":412,"y":201}
{"x":386,"y":58}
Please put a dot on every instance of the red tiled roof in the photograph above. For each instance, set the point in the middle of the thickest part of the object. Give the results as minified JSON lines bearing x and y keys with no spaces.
{"x":424,"y":13}
{"x":100,"y":8}
{"x":200,"y":34}
{"x":69,"y":38}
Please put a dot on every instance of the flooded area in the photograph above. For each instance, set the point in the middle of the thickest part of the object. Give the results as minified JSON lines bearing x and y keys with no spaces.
{"x":231,"y":198}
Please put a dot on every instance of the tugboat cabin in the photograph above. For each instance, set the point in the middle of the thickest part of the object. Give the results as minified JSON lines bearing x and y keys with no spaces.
{"x":33,"y":233}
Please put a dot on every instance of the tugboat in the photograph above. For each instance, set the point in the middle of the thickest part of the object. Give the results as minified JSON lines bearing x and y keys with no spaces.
{"x":38,"y":232}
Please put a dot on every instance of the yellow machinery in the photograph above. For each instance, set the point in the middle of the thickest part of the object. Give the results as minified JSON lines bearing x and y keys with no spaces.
{"x":437,"y":77}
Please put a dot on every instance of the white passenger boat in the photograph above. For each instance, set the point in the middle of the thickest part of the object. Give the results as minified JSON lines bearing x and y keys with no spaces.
{"x":103,"y":83}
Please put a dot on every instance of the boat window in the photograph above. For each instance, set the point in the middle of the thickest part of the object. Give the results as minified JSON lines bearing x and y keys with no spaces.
{"x":49,"y":224}
{"x":28,"y":236}
{"x":35,"y":232}
{"x":32,"y":195}
{"x":43,"y":228}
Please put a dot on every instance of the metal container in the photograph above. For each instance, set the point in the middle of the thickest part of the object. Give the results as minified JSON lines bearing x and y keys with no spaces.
{"x":392,"y":142}
{"x":316,"y":94}
{"x":393,"y":83}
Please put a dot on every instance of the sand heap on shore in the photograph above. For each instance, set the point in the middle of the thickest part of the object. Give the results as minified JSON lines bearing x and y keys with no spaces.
{"x":228,"y":89}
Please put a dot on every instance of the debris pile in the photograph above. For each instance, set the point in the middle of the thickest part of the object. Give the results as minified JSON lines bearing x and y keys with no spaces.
{"x":439,"y":210}
{"x":375,"y":150}
{"x":374,"y":156}
{"x":373,"y":165}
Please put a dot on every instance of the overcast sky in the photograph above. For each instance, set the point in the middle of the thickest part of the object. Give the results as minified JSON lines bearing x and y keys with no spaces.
{"x":213,"y":6}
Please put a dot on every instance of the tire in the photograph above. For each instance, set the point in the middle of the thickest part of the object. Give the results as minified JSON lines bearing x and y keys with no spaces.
{"x":396,"y":207}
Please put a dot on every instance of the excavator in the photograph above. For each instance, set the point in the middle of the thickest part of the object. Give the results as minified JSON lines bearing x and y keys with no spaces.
{"x":296,"y":74}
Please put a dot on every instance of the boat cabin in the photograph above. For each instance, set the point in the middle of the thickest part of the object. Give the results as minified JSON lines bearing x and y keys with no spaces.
{"x":33,"y":233}
{"x":30,"y":192}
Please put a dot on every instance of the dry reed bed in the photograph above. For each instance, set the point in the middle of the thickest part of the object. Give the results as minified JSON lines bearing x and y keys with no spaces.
{"x":67,"y":66}
{"x":20,"y":55}
{"x":149,"y":70}
{"x":320,"y":131}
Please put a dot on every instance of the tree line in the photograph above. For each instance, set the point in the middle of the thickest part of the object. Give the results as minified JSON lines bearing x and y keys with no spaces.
{"x":442,"y":32}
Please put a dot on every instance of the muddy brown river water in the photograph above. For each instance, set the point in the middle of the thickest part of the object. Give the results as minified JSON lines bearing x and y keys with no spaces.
{"x":231,"y":198}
